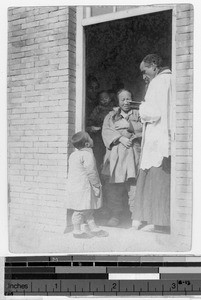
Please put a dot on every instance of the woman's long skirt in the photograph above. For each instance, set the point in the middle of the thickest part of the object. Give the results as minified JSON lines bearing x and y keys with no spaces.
{"x":152,"y":198}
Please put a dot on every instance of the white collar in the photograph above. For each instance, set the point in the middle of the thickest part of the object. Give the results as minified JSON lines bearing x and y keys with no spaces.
{"x":86,"y":149}
{"x":124,"y":114}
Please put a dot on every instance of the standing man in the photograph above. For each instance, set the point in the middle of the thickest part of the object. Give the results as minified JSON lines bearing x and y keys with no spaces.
{"x":152,"y":199}
{"x":121,"y":132}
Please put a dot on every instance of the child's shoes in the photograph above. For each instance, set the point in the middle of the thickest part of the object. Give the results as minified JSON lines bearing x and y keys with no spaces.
{"x":100,"y":233}
{"x":83,"y":235}
{"x":113,"y":222}
{"x":136,"y":224}
{"x":94,"y":229}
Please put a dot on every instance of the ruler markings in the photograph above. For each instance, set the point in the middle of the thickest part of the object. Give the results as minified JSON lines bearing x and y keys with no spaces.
{"x":16,"y":264}
{"x":29,"y":270}
{"x":181,"y":276}
{"x":179,"y":259}
{"x":60,"y":263}
{"x":133,"y":270}
{"x":60,"y":270}
{"x":133,"y":276}
{"x":176,"y":277}
{"x":180,"y":270}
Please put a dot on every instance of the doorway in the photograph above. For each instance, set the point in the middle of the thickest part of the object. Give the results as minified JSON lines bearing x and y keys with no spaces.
{"x":115,"y":49}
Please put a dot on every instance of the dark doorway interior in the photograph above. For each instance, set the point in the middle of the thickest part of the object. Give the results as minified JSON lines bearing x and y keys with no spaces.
{"x":115,"y":49}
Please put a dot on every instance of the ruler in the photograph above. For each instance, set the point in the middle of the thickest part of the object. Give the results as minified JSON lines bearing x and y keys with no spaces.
{"x":102,"y":275}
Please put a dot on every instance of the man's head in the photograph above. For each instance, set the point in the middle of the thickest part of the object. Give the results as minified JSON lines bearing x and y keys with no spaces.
{"x":125,"y":97}
{"x":150,"y":66}
{"x":81,"y":140}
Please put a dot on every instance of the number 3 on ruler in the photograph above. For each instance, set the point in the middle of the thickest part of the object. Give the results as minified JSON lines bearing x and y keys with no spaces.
{"x":173,"y":285}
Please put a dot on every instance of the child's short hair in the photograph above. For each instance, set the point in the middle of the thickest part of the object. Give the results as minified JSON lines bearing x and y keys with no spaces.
{"x":79,"y":139}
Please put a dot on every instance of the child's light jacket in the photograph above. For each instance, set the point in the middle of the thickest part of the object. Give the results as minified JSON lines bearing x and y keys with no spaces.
{"x":83,"y":181}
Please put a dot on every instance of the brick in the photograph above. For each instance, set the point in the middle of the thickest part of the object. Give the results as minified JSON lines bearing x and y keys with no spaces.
{"x":184,"y":122}
{"x":184,"y":65}
{"x":184,"y":87}
{"x":46,"y":33}
{"x":47,"y":150}
{"x":188,"y":189}
{"x":37,"y":29}
{"x":184,"y":137}
{"x":58,"y":73}
{"x":184,"y":196}
{"x":49,"y":20}
{"x":185,"y":29}
{"x":185,"y":14}
{"x":184,"y":108}
{"x":59,"y":12}
{"x":12,"y":39}
{"x":18,"y":22}
{"x":186,"y":211}
{"x":184,"y":73}
{"x":42,"y":39}
{"x":30,"y":25}
{"x":184,"y":159}
{"x":184,"y":152}
{"x":16,"y":178}
{"x":30,"y":48}
{"x":20,"y":32}
{"x":30,"y":42}
{"x":18,"y":55}
{"x":59,"y":25}
{"x":41,"y":63}
{"x":184,"y":145}
{"x":184,"y":7}
{"x":184,"y":79}
{"x":45,"y":9}
{"x":29,"y":138}
{"x":184,"y":58}
{"x":48,"y":44}
{"x":184,"y":166}
{"x":18,"y":89}
{"x":184,"y":130}
{"x":18,"y":10}
{"x":184,"y":22}
{"x":12,"y":27}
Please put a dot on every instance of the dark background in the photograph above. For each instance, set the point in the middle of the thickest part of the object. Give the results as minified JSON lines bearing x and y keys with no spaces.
{"x":115,"y":49}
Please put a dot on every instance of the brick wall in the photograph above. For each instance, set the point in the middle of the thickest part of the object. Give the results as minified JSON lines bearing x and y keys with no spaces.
{"x":184,"y":121}
{"x":41,"y":112}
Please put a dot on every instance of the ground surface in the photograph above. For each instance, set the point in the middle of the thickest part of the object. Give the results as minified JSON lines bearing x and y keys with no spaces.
{"x":123,"y":239}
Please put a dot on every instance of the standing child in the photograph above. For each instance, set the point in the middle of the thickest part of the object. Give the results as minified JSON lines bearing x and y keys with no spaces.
{"x":84,"y":187}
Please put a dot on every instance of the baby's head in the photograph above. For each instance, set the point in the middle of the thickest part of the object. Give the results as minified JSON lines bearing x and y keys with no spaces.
{"x":104,"y":98}
{"x":81,"y":140}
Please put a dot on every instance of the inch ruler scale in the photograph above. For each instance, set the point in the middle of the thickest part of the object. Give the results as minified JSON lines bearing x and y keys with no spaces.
{"x":103,"y":276}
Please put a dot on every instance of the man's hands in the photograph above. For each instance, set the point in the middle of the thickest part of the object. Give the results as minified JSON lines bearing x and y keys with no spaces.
{"x":97,"y":191}
{"x":125,"y":141}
